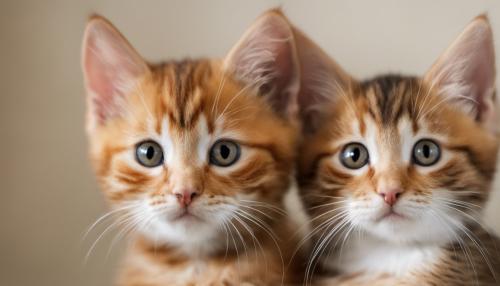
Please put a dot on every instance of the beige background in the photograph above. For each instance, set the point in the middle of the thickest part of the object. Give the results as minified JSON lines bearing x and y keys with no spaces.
{"x":48,"y":194}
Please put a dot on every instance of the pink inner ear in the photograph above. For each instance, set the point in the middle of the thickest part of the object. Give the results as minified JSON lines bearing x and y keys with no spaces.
{"x":100,"y":83}
{"x":265,"y":58}
{"x":285,"y":79}
{"x":482,"y":79}
{"x":466,"y":71}
{"x":110,"y":65}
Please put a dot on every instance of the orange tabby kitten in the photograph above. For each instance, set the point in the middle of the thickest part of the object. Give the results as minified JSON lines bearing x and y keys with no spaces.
{"x":196,"y":155}
{"x":395,"y":170}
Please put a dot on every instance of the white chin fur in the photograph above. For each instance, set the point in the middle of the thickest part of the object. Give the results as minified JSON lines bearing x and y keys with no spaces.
{"x":396,"y":245}
{"x":419,"y":224}
{"x":194,"y":236}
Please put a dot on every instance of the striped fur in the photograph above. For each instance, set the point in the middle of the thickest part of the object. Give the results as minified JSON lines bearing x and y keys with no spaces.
{"x":433,"y":234}
{"x":236,"y":231}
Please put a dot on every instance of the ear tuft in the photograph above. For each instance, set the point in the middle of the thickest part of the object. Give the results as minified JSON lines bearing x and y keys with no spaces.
{"x":265,"y":59}
{"x":465,"y":72}
{"x":110,"y":67}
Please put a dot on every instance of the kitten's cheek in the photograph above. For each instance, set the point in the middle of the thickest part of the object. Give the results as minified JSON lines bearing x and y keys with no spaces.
{"x":379,"y":203}
{"x":371,"y":209}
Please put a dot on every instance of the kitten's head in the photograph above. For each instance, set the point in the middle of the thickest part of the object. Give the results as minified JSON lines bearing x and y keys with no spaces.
{"x":407,"y":159}
{"x":187,"y":151}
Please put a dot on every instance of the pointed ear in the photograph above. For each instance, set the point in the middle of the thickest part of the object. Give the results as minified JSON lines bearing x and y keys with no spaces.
{"x":322,"y":81}
{"x":110,"y":66}
{"x":265,"y":59}
{"x":465,"y":72}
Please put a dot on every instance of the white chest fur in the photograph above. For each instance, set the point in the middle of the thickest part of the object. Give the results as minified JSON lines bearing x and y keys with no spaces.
{"x":369,"y":254}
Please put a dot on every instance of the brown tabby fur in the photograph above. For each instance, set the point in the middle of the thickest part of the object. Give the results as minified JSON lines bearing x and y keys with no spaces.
{"x":385,"y":101}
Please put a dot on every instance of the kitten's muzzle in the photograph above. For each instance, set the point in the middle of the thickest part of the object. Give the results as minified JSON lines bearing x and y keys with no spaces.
{"x":391,"y":196}
{"x":186,"y":196}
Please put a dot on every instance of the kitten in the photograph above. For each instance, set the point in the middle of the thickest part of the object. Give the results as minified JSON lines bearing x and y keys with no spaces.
{"x":395,"y":170}
{"x":196,"y":156}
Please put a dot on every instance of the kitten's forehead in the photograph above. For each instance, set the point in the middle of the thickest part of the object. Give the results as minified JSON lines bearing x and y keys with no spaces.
{"x":400,"y":107}
{"x":181,"y":84}
{"x":390,"y":118}
{"x":384,"y":109}
{"x":391,"y":98}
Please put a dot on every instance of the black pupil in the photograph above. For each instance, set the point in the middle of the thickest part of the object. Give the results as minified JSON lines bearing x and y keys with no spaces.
{"x":224,"y":151}
{"x":355,"y":154}
{"x":150,"y":152}
{"x":426,"y":150}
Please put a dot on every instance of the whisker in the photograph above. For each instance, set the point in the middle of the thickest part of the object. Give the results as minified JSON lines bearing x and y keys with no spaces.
{"x":328,"y":204}
{"x":104,"y":217}
{"x":265,"y":205}
{"x":231,"y":101}
{"x":113,"y":225}
{"x":259,"y":223}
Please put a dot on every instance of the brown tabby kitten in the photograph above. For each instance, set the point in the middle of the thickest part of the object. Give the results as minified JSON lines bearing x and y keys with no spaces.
{"x":395,"y":170}
{"x":195,"y":156}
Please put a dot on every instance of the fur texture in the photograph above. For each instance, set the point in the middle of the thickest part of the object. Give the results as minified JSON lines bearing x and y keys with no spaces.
{"x":231,"y":229}
{"x":429,"y":231}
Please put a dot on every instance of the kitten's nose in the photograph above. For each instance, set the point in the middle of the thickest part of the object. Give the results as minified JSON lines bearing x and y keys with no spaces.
{"x":391,"y":196}
{"x":185,"y":196}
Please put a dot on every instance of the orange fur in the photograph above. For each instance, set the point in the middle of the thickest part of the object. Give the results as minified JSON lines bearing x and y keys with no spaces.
{"x":180,"y":98}
{"x":389,"y":114}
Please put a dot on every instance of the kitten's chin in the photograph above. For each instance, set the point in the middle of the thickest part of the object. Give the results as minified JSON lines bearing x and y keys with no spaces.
{"x":401,"y":229}
{"x":187,"y":232}
{"x":187,"y":220}
{"x":393,"y":228}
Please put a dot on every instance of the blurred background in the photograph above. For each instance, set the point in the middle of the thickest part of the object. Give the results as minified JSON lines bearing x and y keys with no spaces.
{"x":48,"y":195}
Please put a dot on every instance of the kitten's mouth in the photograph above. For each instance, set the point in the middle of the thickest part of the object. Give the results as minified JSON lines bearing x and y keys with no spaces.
{"x":186,"y":215}
{"x":391,"y":215}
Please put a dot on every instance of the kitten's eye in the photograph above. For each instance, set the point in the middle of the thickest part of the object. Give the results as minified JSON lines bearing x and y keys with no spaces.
{"x":354,"y":156}
{"x":426,"y":152}
{"x":149,"y":154}
{"x":224,"y":153}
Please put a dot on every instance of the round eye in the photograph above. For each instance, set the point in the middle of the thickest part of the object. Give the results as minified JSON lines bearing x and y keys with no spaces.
{"x":224,"y":153}
{"x":354,"y":156}
{"x":426,"y":152}
{"x":149,"y":154}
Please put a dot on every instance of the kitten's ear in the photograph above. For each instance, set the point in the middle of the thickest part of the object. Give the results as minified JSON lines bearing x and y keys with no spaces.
{"x":465,"y":72}
{"x":110,"y":66}
{"x":322,"y":81}
{"x":265,"y":59}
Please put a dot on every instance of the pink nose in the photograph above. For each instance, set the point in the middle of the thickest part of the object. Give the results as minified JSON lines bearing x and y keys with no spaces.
{"x":185,"y":197}
{"x":391,"y":196}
